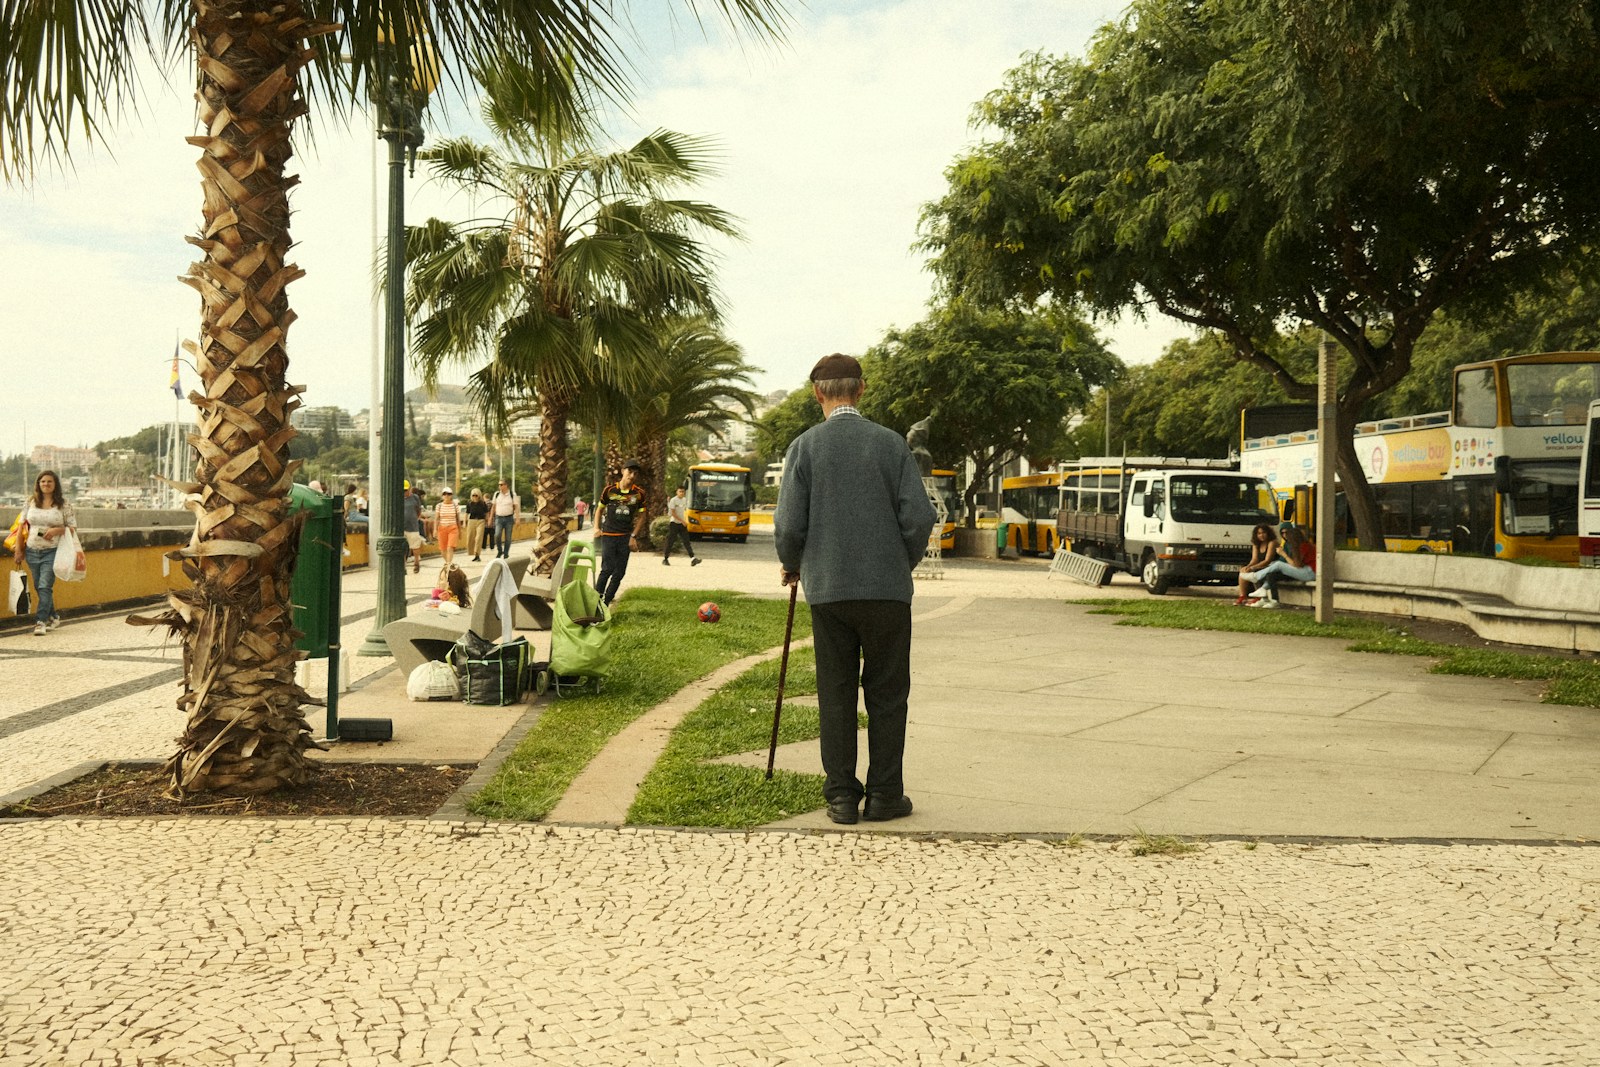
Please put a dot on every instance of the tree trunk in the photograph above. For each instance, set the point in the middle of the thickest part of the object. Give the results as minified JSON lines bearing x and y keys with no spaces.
{"x":555,"y":405}
{"x":245,"y":730}
{"x":653,"y":454}
{"x":1358,"y":492}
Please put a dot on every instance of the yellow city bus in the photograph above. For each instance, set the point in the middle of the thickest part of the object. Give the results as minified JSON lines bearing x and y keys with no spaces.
{"x":1029,"y":504}
{"x":944,"y":483}
{"x":719,"y":501}
{"x":1496,"y":475}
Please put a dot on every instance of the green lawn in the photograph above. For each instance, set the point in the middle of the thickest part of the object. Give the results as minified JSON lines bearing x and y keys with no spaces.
{"x":685,"y":789}
{"x":1572,"y":681}
{"x":658,"y":647}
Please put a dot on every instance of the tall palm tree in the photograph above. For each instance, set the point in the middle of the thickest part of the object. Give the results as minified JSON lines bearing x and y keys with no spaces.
{"x":559,"y":289}
{"x":71,"y":68}
{"x":698,"y":380}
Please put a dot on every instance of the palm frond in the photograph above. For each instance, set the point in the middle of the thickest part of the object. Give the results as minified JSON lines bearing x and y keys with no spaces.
{"x":65,"y":67}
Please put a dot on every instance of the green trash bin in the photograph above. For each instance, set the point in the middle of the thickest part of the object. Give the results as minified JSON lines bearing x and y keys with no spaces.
{"x":311,"y":589}
{"x":1002,"y":532}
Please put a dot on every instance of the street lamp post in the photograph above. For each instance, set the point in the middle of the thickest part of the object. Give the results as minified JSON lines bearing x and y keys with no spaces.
{"x":402,"y":128}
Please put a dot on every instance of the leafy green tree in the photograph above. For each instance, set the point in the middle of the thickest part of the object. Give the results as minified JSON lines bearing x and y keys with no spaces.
{"x":146,"y":442}
{"x":995,"y":383}
{"x":1248,"y":165}
{"x":794,"y":415}
{"x":559,"y":287}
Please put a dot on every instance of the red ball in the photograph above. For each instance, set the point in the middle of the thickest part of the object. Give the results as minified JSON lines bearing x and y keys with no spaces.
{"x":709,"y":612}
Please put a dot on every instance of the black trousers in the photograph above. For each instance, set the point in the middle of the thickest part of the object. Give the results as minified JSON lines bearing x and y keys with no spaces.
{"x":676,"y":531}
{"x":863,"y":644}
{"x":614,"y":554}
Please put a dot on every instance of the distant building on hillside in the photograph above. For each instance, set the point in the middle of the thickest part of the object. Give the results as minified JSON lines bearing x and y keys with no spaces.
{"x":318,"y":419}
{"x":56,"y":458}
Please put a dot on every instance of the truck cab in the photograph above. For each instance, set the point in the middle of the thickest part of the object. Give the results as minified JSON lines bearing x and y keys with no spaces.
{"x":1174,"y":525}
{"x":1186,"y":526}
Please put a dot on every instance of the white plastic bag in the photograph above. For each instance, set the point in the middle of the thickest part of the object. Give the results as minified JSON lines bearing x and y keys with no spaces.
{"x":18,"y":596}
{"x":70,"y":565}
{"x":434,"y":680}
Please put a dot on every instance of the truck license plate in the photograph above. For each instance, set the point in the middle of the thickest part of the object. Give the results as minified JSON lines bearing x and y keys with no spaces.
{"x":1227,"y":567}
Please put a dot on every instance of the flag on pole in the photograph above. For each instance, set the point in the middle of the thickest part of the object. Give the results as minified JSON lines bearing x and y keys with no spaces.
{"x":172,"y":384}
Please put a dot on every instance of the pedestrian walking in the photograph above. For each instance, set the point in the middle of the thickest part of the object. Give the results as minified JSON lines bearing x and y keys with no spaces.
{"x":447,"y":525}
{"x":852,"y":523}
{"x":504,"y":507}
{"x":48,"y":516}
{"x":411,"y":524}
{"x":477,"y":515}
{"x":578,"y":509}
{"x":678,"y":528}
{"x":619,"y":523}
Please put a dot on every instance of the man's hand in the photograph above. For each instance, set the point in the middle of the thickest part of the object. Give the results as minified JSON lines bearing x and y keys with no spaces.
{"x":788,"y":577}
{"x":633,"y":544}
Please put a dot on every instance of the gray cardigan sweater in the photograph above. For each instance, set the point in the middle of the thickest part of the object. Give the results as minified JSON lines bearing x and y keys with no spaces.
{"x":853,"y":517}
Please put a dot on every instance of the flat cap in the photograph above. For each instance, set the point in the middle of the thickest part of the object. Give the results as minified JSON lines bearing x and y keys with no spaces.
{"x":632,"y":465}
{"x":836,"y":366}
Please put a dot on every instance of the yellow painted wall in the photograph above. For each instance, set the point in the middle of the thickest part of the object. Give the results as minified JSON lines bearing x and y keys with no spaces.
{"x":119,"y":575}
{"x":115,"y":575}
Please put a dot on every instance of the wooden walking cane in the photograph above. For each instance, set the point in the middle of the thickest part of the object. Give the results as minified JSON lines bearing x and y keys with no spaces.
{"x":783,"y":673}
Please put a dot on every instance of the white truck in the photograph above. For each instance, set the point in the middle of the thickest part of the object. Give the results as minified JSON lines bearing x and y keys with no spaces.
{"x":1170,"y":522}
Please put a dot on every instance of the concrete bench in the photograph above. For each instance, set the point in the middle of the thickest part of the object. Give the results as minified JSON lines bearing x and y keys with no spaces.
{"x":429,"y":635}
{"x":1554,"y":607}
{"x":531,"y":607}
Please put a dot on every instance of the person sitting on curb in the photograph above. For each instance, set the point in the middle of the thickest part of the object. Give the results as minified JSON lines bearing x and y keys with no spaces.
{"x":1263,"y":550}
{"x":1296,"y":562}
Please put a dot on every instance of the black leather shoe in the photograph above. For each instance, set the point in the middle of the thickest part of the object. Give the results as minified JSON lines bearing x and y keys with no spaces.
{"x":843,"y":811}
{"x":882,"y":809}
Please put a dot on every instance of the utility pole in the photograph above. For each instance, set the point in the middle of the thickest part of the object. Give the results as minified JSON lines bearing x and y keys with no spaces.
{"x":1327,"y":429}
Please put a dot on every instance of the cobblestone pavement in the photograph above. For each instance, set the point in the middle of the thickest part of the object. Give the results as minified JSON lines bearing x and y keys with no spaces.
{"x":368,"y":943}
{"x":362,"y":943}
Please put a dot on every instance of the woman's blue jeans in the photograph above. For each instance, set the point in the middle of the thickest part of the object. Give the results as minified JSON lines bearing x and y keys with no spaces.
{"x":42,"y":565}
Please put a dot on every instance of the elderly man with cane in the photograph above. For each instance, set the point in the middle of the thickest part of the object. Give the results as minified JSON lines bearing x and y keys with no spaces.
{"x":852,"y":523}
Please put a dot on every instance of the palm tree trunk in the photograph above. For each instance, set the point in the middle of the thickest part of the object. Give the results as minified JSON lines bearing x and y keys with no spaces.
{"x":555,"y":405}
{"x":245,"y":730}
{"x":655,"y":461}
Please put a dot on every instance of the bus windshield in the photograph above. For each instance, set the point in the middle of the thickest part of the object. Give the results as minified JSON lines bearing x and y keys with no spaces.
{"x":944,"y":483}
{"x":1552,"y":394}
{"x":1543,"y":499}
{"x":1220,"y":499}
{"x":719,"y":490}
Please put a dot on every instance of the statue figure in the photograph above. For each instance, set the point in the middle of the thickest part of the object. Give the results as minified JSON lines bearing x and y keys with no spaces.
{"x":917,"y":439}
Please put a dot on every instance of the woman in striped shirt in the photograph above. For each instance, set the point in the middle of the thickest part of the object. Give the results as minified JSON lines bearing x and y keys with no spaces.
{"x":447,"y":525}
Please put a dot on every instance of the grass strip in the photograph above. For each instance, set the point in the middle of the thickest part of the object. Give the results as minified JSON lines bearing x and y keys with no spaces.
{"x":658,"y":646}
{"x":1572,"y":681}
{"x":684,"y":789}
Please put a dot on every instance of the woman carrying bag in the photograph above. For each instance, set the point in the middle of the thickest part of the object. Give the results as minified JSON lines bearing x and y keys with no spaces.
{"x":48,"y":516}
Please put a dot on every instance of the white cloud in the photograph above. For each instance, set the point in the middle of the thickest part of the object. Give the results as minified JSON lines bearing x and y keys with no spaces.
{"x":832,"y":142}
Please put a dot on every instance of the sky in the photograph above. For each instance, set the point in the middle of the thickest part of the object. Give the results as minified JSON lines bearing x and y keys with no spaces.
{"x":830,"y":142}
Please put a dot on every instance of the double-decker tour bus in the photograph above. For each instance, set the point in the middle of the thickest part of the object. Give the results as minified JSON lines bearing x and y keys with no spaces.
{"x":1496,"y":475}
{"x":719,"y":501}
{"x":1028,"y":507}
